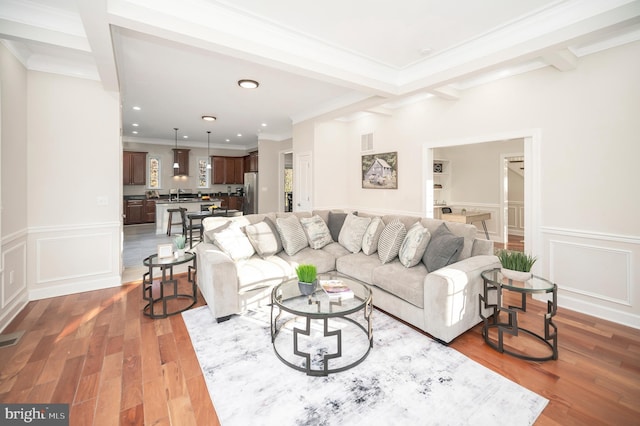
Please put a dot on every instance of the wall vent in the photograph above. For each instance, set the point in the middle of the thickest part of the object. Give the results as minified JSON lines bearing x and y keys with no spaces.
{"x":10,"y":339}
{"x":366,"y":142}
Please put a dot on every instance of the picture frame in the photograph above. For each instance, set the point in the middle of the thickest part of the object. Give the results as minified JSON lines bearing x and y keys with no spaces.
{"x":380,"y":171}
{"x":165,"y":250}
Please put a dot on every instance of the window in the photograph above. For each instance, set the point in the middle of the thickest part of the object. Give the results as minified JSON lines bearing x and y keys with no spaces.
{"x":155,"y":172}
{"x":204,"y":174}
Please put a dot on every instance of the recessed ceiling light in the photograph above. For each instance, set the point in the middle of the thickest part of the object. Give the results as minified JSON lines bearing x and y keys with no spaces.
{"x":137,"y":108}
{"x":209,"y":118}
{"x":239,"y":135}
{"x":264,"y":124}
{"x":248,"y":84}
{"x":135,"y":124}
{"x":425,"y":51}
{"x":185,"y":137}
{"x":135,"y":132}
{"x":227,"y":140}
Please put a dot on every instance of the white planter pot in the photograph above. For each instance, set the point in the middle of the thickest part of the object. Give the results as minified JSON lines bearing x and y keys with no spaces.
{"x":515,"y":275}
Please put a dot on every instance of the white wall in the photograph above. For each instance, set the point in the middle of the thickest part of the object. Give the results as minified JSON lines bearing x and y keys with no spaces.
{"x":13,"y":181}
{"x":74,"y":185}
{"x":270,"y":174}
{"x":588,"y":125}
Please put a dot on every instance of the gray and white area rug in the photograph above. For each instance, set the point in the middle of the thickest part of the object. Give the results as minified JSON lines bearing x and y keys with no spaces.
{"x":407,"y":379}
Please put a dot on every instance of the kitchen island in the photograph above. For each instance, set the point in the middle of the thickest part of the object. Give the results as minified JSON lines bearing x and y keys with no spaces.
{"x":191,"y":204}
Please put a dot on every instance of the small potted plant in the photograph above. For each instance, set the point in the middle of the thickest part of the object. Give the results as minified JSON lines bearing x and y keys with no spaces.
{"x":516,"y":265}
{"x":307,"y":279}
{"x":180,"y":241}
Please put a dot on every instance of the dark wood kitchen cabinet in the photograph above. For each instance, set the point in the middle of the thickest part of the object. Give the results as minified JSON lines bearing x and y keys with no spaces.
{"x":133,"y":211}
{"x":149,"y":211}
{"x":251,"y":162}
{"x":134,"y":168}
{"x":227,"y":170}
{"x":181,"y":156}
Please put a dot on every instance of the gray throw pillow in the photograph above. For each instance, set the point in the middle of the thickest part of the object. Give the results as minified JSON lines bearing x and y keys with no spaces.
{"x":336,"y":220}
{"x":443,"y":249}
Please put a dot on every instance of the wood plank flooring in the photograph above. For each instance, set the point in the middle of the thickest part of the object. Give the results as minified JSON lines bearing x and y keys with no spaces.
{"x":114,"y":366}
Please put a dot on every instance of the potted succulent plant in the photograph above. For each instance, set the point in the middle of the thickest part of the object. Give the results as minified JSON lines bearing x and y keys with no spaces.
{"x":516,"y":265}
{"x":180,"y":241}
{"x":307,"y":278}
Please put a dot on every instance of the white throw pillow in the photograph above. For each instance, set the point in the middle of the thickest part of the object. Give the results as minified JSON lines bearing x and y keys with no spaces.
{"x":262,"y":239}
{"x":353,"y":231}
{"x":291,"y":233}
{"x":372,"y":235}
{"x":234,"y":243}
{"x":390,"y":240}
{"x":317,"y":231}
{"x":414,"y":245}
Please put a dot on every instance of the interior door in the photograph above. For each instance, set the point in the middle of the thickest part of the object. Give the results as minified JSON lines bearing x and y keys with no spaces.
{"x":303,"y":182}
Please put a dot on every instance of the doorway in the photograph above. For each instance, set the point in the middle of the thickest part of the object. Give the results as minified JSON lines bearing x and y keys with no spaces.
{"x":513,"y":184}
{"x":285,"y":181}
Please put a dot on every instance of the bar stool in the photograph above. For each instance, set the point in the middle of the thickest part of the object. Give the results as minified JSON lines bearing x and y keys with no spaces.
{"x":169,"y":222}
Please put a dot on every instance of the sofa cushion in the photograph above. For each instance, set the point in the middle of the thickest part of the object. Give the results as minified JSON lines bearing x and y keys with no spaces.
{"x":262,"y":238}
{"x":257,"y":272}
{"x":390,"y":240}
{"x":322,"y":259}
{"x":372,"y":235}
{"x":443,"y":249}
{"x":234,"y":243}
{"x":414,"y":245}
{"x":352,"y":232}
{"x":336,"y":220}
{"x":358,"y":266}
{"x":405,"y":283}
{"x":292,"y":234}
{"x":317,"y":232}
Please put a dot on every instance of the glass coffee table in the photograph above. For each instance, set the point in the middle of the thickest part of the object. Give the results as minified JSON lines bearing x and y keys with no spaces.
{"x":318,"y":334}
{"x":163,"y":294}
{"x":495,"y":282}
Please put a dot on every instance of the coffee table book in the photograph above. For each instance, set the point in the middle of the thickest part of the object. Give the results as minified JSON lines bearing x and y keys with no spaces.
{"x":336,"y":289}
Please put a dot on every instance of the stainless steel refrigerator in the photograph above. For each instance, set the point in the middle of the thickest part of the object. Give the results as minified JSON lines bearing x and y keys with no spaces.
{"x":250,"y":204}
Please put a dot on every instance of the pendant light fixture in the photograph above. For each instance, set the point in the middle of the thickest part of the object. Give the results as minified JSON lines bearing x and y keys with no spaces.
{"x":208,"y":154}
{"x":175,"y":154}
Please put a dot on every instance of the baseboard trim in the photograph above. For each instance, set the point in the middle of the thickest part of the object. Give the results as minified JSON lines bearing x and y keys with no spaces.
{"x":75,"y":287}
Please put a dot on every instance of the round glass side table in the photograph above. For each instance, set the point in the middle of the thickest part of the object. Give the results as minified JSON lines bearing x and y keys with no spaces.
{"x":495,"y":284}
{"x":162,"y":293}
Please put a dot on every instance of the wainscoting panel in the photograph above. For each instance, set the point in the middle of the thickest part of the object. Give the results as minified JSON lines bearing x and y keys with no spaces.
{"x":598,"y":274}
{"x":13,"y":290}
{"x":72,"y":260}
{"x":516,"y":217}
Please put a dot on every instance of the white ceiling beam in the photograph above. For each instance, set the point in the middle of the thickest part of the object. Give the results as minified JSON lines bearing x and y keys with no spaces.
{"x":446,"y":92}
{"x":380,"y":111}
{"x":563,"y":60}
{"x":96,"y":23}
{"x":24,"y":32}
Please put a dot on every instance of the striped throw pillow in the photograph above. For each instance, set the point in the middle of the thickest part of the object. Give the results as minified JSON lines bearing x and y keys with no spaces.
{"x":390,"y":240}
{"x":291,"y":233}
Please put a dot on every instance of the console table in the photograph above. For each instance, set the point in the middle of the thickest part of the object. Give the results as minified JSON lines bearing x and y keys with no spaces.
{"x":495,"y":282}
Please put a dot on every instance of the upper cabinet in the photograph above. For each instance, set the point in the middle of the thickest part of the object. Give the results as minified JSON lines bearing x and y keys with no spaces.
{"x":227,"y":170}
{"x":134,"y":168}
{"x":181,"y":156}
{"x":251,"y":162}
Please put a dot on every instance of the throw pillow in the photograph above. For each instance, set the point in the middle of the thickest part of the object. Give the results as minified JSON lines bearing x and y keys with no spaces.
{"x":292,"y":234}
{"x":276,"y":234}
{"x":262,"y":239}
{"x":317,"y":232}
{"x":209,"y":234}
{"x":372,"y":235}
{"x":443,"y":249}
{"x":352,"y":232}
{"x":414,"y":245}
{"x":234,"y":243}
{"x":336,"y":220}
{"x":390,"y":240}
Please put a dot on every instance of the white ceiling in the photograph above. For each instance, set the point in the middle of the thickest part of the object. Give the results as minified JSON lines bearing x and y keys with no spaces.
{"x":181,"y":60}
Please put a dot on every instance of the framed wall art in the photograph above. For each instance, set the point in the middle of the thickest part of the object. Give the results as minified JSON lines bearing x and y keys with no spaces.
{"x":380,"y":171}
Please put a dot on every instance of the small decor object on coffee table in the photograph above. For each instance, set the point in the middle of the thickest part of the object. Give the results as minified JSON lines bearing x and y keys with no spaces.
{"x":307,"y":279}
{"x":516,"y":265}
{"x":505,"y":330}
{"x":181,"y":242}
{"x":336,"y":289}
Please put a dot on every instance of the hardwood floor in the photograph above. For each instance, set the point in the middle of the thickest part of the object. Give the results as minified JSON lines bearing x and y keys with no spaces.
{"x":113,"y":365}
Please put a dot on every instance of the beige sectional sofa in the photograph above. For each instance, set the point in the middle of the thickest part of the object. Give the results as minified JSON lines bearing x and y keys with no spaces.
{"x":233,"y":276}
